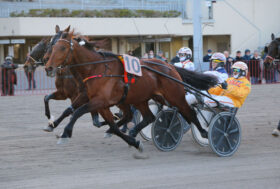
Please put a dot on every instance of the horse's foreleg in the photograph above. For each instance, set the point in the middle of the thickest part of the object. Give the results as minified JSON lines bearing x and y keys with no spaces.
{"x":148,"y":117}
{"x":56,"y":96}
{"x":79,"y":100}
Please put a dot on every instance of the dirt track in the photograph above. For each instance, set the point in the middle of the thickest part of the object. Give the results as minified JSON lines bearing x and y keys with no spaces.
{"x":30,"y":158}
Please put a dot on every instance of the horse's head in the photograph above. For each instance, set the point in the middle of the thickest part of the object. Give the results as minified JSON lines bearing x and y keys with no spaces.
{"x":36,"y":54}
{"x":53,"y":40}
{"x":272,"y":50}
{"x":61,"y":54}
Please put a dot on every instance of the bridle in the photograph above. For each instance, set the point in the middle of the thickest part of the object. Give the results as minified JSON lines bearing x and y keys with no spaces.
{"x":68,"y":54}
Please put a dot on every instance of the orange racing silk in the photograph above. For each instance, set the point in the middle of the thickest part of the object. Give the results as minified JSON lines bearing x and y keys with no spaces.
{"x":237,"y":90}
{"x":125,"y":72}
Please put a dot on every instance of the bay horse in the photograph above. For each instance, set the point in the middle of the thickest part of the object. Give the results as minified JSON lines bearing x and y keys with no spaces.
{"x":73,"y":88}
{"x":106,"y":87}
{"x":66,"y":85}
{"x":272,"y":59}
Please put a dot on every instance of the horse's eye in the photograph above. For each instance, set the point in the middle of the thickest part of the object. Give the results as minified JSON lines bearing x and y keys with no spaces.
{"x":62,"y":48}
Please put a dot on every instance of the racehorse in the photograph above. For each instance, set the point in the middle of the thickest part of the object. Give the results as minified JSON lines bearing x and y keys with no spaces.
{"x":272,"y":60}
{"x":66,"y":85}
{"x":106,"y":87}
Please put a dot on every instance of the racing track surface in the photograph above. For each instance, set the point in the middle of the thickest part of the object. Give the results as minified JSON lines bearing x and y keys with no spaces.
{"x":30,"y":158}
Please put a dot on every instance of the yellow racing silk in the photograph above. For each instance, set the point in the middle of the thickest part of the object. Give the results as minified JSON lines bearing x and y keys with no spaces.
{"x":237,"y":90}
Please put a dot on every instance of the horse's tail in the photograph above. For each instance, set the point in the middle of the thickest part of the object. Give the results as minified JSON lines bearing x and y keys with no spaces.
{"x":198,"y":80}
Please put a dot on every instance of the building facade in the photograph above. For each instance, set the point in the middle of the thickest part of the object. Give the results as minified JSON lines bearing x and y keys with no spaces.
{"x":234,"y":25}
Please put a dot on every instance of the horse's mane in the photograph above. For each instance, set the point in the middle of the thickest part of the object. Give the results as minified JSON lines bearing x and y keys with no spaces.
{"x":198,"y":80}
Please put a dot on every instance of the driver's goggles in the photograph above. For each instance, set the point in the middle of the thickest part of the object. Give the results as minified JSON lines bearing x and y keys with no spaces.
{"x":182,"y":54}
{"x":236,"y":70}
{"x":216,"y":60}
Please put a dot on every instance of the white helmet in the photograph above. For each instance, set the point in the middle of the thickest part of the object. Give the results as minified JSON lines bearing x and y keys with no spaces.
{"x":9,"y":58}
{"x":242,"y":66}
{"x":187,"y":51}
{"x":219,"y":57}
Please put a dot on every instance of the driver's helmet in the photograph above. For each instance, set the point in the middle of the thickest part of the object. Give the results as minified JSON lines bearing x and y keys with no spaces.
{"x":9,"y":58}
{"x":185,"y":53}
{"x":240,"y":69}
{"x":218,"y":58}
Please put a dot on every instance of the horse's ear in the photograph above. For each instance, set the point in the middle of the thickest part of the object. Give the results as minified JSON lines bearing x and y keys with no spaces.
{"x":57,"y":29}
{"x":67,"y":29}
{"x":272,"y":36}
{"x":71,"y":34}
{"x":265,"y":49}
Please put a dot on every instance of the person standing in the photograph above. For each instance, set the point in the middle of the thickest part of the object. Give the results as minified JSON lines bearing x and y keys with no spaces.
{"x":30,"y":73}
{"x":229,"y":62}
{"x":247,"y":56}
{"x":161,"y":57}
{"x":254,"y":66}
{"x":238,"y":56}
{"x":175,"y":59}
{"x":9,"y":78}
{"x":207,"y":58}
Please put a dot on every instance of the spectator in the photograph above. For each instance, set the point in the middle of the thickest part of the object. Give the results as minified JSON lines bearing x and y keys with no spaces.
{"x":161,"y":57}
{"x":238,"y":56}
{"x":229,"y":62}
{"x":145,"y":55}
{"x":207,"y":58}
{"x":175,"y":59}
{"x":29,"y":72}
{"x":254,"y":66}
{"x":247,"y":56}
{"x":151,"y":54}
{"x":9,"y":78}
{"x":130,"y":53}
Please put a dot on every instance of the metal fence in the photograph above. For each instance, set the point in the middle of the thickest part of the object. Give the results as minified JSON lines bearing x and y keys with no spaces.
{"x":159,"y":5}
{"x":258,"y":74}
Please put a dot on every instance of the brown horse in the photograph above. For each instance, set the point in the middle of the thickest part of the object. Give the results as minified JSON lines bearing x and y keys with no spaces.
{"x":66,"y":85}
{"x":106,"y":87}
{"x":272,"y":60}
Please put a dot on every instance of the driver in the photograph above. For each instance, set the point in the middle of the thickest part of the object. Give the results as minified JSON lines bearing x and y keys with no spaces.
{"x":185,"y":55}
{"x":234,"y":90}
{"x":218,"y":64}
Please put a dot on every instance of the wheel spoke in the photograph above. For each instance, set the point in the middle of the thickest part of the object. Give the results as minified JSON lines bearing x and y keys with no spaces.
{"x":219,"y":141}
{"x":175,"y":123}
{"x":160,"y":128}
{"x":219,"y":130}
{"x":229,"y":143}
{"x":173,"y":137}
{"x":233,"y":131}
{"x":163,"y":139}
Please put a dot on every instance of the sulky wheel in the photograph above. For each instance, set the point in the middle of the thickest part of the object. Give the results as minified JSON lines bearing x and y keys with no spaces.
{"x":224,"y":138}
{"x":146,"y":132}
{"x":167,"y":130}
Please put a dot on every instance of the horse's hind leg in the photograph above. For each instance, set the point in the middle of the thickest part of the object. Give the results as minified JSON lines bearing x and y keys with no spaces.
{"x":148,"y":117}
{"x":106,"y":114}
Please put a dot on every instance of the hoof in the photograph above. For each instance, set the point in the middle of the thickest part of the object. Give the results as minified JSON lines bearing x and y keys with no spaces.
{"x":275,"y":132}
{"x":204,"y":134}
{"x":48,"y":129}
{"x":140,"y":156}
{"x":140,"y":147}
{"x":108,"y":135}
{"x":62,"y":140}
